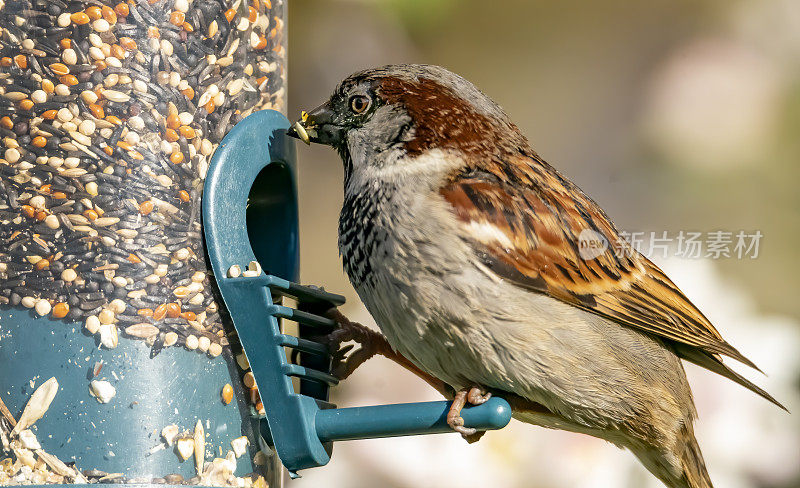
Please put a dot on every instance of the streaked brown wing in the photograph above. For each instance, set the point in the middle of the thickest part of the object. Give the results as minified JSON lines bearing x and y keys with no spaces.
{"x":529,"y":224}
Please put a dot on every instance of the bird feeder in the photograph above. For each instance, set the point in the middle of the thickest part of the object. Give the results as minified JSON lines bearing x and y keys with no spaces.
{"x":149,"y":254}
{"x":116,"y":355}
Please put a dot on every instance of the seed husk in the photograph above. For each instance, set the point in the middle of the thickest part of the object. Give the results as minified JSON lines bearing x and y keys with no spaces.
{"x":141,"y":330}
{"x":199,"y":447}
{"x":37,"y":405}
{"x":102,"y":390}
{"x":169,"y":433}
{"x":185,"y":447}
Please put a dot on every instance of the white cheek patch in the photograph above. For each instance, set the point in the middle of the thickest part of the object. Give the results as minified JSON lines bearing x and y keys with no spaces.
{"x":431,"y":162}
{"x":487,"y":233}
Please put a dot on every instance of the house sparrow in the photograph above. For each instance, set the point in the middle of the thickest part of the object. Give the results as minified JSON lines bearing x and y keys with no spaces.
{"x":465,"y":246}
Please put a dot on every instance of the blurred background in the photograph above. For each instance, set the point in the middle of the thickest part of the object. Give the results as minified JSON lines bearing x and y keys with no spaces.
{"x":674,"y":115}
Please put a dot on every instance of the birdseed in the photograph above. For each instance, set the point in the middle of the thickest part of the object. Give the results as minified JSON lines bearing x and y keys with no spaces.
{"x":109,"y":115}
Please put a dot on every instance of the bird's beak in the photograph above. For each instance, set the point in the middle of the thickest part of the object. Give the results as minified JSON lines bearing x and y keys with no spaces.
{"x":318,"y":126}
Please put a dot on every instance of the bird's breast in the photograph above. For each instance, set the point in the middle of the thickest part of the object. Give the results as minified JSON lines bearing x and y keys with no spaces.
{"x":400,"y":256}
{"x":362,"y":235}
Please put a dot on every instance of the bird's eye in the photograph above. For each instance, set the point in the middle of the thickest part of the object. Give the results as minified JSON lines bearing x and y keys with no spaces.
{"x":359,"y":104}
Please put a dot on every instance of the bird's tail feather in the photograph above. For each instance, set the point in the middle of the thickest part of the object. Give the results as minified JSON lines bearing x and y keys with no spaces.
{"x":680,"y":466}
{"x":712,"y":363}
{"x":694,"y":468}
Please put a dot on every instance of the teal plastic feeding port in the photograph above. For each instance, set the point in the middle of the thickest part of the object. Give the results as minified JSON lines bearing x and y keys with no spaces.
{"x":250,"y":214}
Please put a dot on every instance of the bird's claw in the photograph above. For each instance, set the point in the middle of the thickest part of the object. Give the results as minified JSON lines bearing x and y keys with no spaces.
{"x":345,"y":360}
{"x":465,"y":431}
{"x":476,"y":396}
{"x":456,"y":422}
{"x":473,"y":396}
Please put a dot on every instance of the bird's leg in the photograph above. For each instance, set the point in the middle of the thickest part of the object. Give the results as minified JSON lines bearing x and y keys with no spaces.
{"x":371,"y":343}
{"x":474,"y":396}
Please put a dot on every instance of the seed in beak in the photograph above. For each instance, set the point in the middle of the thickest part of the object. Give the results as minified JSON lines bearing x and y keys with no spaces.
{"x":301,"y":131}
